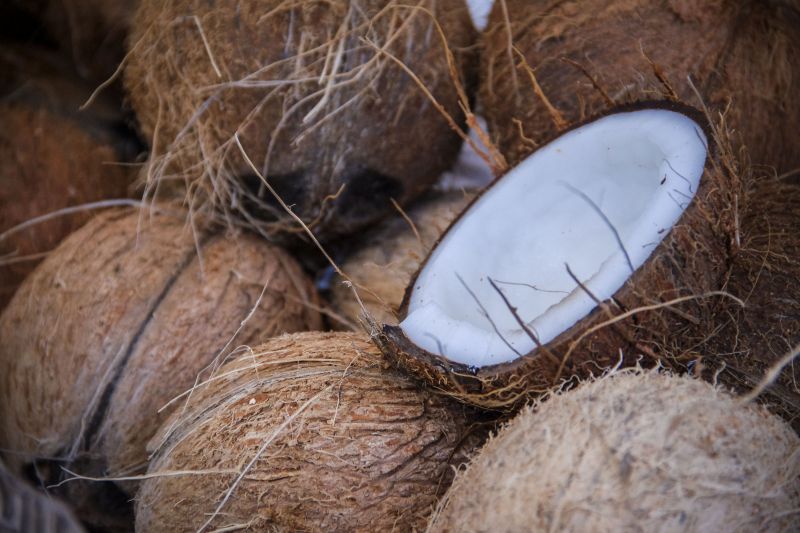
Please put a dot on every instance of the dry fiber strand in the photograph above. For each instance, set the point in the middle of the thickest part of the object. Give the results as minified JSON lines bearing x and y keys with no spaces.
{"x":118,"y":320}
{"x":389,"y":256}
{"x":634,"y":451}
{"x":307,"y":432}
{"x":323,"y":98}
{"x":580,"y":58}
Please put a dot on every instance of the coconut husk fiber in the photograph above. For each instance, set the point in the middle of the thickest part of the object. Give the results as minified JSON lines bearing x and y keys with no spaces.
{"x":637,"y":451}
{"x":124,"y":315}
{"x":669,"y":309}
{"x":52,"y":156}
{"x":325,"y":98}
{"x":24,"y":510}
{"x":307,"y":432}
{"x":581,"y":58}
{"x":384,"y":263}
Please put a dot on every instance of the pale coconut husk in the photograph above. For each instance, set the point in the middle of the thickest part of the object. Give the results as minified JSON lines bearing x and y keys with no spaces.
{"x":307,"y":432}
{"x":341,"y":105}
{"x":581,"y":58}
{"x":389,"y":256}
{"x":51,"y":157}
{"x":669,"y":309}
{"x":124,"y":315}
{"x":23,"y":510}
{"x":632,"y":452}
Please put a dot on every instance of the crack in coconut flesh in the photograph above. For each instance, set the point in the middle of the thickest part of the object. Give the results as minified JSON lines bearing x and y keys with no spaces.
{"x":612,"y":212}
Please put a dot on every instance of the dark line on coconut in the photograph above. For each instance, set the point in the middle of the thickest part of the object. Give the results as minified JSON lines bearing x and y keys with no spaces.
{"x":684,"y":178}
{"x":486,"y":315}
{"x":516,"y":316}
{"x":597,"y":210}
{"x":529,"y":285}
{"x":105,"y":399}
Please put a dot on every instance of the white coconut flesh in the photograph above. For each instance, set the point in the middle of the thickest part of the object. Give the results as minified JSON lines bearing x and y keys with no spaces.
{"x":479,"y":10}
{"x":597,"y":200}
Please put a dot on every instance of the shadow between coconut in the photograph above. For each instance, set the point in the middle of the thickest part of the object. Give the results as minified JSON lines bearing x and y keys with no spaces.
{"x":610,"y":242}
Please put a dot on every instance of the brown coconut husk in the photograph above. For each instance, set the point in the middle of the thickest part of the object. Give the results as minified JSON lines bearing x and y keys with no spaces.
{"x":764,"y":274}
{"x":307,"y":432}
{"x":52,"y":156}
{"x":582,"y":58}
{"x":124,"y":315}
{"x":389,"y":256}
{"x":341,"y":105}
{"x":670,"y":308}
{"x":23,"y":510}
{"x":634,"y":451}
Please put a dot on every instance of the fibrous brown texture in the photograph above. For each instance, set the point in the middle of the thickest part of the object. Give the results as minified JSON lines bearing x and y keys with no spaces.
{"x":384,"y":264}
{"x":51,"y":157}
{"x":765,"y":274}
{"x":632,"y":452}
{"x":580,"y":58}
{"x":23,"y":510}
{"x":307,"y":432}
{"x":122,"y":317}
{"x":670,"y":308}
{"x":324,"y":97}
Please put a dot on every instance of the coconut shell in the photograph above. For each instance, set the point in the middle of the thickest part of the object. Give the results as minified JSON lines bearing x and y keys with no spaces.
{"x":692,"y":260}
{"x":312,"y":434}
{"x":122,"y":317}
{"x":384,"y":264}
{"x":582,"y":58}
{"x":51,"y":156}
{"x":24,"y":510}
{"x":632,"y":452}
{"x":338,"y":127}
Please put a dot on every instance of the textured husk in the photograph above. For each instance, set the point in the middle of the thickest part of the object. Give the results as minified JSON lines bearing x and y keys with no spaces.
{"x":24,"y":510}
{"x":632,"y":452}
{"x":325,"y":439}
{"x":51,"y":157}
{"x":383,"y":265}
{"x":765,"y":274}
{"x":337,"y":127}
{"x":587,"y":56}
{"x":118,"y":320}
{"x":693,"y":260}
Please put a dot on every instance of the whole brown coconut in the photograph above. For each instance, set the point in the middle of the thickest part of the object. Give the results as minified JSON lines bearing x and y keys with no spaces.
{"x":124,"y":315}
{"x":384,"y":264}
{"x":23,"y":510}
{"x":471,"y":322}
{"x":51,"y":157}
{"x":632,"y":452}
{"x":307,"y":432}
{"x":339,"y":104}
{"x":549,"y":63}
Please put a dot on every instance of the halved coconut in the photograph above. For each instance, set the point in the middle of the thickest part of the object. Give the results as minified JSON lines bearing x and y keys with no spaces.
{"x":544,"y":275}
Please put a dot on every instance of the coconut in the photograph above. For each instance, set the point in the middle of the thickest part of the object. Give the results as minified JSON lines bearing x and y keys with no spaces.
{"x":548,"y":64}
{"x":24,"y":510}
{"x":383,"y":265}
{"x":307,"y":432}
{"x":337,"y":107}
{"x":613,"y":238}
{"x":51,"y":157}
{"x":632,"y":452}
{"x":121,"y":317}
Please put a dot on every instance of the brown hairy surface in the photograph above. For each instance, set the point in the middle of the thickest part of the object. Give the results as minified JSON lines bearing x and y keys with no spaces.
{"x":127,"y":313}
{"x":634,"y":451}
{"x":670,"y":308}
{"x":51,"y":156}
{"x":583,"y":57}
{"x":307,"y":432}
{"x":389,"y":256}
{"x":324,"y":98}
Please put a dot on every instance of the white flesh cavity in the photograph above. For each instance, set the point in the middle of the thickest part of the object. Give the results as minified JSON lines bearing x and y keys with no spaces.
{"x":640,"y":169}
{"x":479,"y":9}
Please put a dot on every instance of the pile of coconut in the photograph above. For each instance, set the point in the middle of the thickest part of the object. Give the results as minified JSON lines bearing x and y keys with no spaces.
{"x":438,"y":265}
